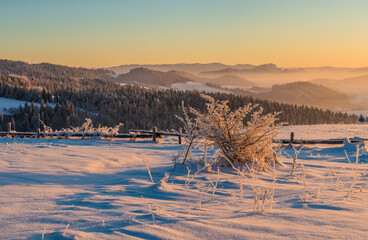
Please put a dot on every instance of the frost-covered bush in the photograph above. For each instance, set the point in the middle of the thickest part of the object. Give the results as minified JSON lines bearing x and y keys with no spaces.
{"x":240,"y":141}
{"x":87,"y":127}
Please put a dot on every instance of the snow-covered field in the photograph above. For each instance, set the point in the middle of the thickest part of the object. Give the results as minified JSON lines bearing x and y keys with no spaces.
{"x":325,"y":131}
{"x":359,"y":112}
{"x":197,"y":86}
{"x":100,"y":189}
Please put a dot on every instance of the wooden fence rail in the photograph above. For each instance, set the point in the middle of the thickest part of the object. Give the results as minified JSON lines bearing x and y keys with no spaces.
{"x":155,"y":134}
{"x":159,"y":133}
{"x":72,"y":134}
{"x":319,"y":141}
{"x":133,"y":134}
{"x":327,"y":141}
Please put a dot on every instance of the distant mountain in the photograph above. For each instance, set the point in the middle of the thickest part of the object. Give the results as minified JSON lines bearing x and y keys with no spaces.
{"x":301,"y":93}
{"x":264,"y":75}
{"x":186,"y":67}
{"x":231,"y":80}
{"x":351,"y":85}
{"x":358,"y":82}
{"x":243,"y":66}
{"x":191,"y":76}
{"x":222,"y":69}
{"x":324,"y":69}
{"x":264,"y":68}
{"x":324,"y":82}
{"x":226,"y":71}
{"x":258,"y":89}
{"x":362,"y":69}
{"x":224,"y":80}
{"x":250,"y":91}
{"x":151,"y":78}
{"x":309,"y":94}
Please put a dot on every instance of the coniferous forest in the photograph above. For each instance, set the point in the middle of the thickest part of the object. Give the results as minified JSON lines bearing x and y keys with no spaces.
{"x":69,"y":95}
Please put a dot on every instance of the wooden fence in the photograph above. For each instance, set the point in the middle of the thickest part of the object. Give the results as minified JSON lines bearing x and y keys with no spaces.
{"x":133,"y":134}
{"x":319,"y":141}
{"x":155,"y":134}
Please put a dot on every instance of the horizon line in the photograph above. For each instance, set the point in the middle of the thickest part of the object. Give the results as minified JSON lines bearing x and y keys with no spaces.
{"x":179,"y":63}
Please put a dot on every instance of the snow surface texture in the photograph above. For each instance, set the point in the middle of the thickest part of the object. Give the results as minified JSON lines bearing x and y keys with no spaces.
{"x":101,"y":189}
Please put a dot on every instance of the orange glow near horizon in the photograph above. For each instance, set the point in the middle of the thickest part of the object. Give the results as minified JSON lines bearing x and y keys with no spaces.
{"x":93,"y":34}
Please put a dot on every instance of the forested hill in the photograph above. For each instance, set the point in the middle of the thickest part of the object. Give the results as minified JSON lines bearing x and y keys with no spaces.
{"x":48,"y":70}
{"x":308,"y":94}
{"x":81,"y":93}
{"x":148,"y":77}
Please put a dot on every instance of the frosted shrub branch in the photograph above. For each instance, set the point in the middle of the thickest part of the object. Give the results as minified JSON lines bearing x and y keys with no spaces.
{"x":87,"y":127}
{"x":240,"y":141}
{"x":353,"y":188}
{"x":46,"y":128}
{"x":145,"y":162}
{"x":190,"y":129}
{"x":295,"y":159}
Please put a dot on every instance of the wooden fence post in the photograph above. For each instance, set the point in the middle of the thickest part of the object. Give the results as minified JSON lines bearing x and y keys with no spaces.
{"x":291,"y":138}
{"x":180,"y":137}
{"x":9,"y":130}
{"x":154,"y":134}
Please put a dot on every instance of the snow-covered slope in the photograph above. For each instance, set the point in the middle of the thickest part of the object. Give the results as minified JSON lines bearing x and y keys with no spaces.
{"x":197,"y":86}
{"x":100,"y":189}
{"x":6,"y":103}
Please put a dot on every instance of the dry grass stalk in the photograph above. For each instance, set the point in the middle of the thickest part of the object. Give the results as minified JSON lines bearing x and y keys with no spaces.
{"x":145,"y":162}
{"x":295,"y":159}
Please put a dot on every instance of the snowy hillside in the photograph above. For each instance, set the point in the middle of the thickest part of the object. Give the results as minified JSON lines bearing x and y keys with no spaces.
{"x":197,"y":86}
{"x":101,"y":189}
{"x":6,"y":103}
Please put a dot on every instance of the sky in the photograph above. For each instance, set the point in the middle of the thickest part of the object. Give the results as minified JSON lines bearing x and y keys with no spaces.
{"x":97,"y":33}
